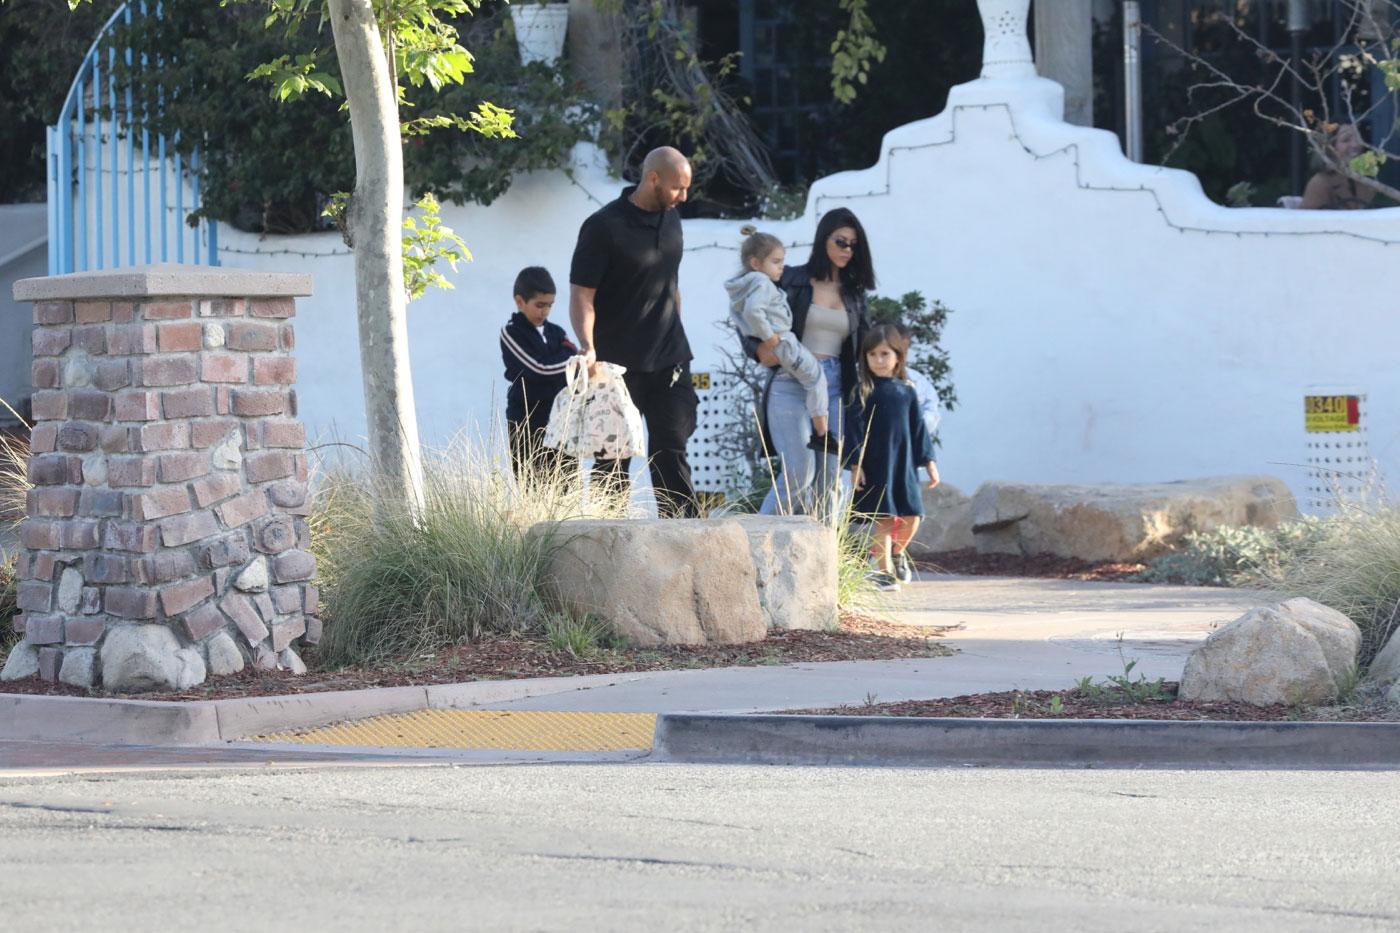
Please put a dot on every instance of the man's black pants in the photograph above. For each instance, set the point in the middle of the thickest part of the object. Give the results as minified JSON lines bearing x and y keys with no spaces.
{"x":668,"y":402}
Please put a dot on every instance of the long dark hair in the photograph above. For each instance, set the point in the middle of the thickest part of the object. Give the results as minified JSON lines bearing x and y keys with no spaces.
{"x":887,"y":333}
{"x":859,"y":274}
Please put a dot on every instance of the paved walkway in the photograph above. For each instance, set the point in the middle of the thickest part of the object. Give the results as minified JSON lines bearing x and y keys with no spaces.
{"x":1015,"y":634}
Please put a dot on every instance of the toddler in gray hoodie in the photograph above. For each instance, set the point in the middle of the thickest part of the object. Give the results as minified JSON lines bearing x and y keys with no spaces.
{"x":760,"y":310}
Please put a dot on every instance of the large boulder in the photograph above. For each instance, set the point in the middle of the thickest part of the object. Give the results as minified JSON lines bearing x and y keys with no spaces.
{"x":658,"y":581}
{"x":142,"y":658}
{"x":1298,"y":652}
{"x":947,"y":524}
{"x":1120,"y":522}
{"x":794,"y":558}
{"x":222,"y":655}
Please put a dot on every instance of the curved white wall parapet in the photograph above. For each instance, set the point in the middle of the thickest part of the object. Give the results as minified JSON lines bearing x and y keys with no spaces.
{"x":1110,"y":323}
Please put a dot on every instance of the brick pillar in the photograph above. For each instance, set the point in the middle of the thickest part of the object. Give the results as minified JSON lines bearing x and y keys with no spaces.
{"x":165,"y":538}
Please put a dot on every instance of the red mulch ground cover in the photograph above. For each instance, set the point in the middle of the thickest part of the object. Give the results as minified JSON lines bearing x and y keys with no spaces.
{"x":859,"y":637}
{"x":1074,"y":704}
{"x":1043,"y":566}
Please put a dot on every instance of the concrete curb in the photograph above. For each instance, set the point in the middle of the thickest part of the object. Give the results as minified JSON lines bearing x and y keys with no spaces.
{"x":105,"y":721}
{"x":1074,"y":743}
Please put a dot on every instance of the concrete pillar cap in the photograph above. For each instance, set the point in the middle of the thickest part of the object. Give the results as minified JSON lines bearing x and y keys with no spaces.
{"x":164,"y":280}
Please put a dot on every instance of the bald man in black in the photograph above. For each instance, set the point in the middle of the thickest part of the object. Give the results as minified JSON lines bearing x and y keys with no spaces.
{"x":625,"y":304}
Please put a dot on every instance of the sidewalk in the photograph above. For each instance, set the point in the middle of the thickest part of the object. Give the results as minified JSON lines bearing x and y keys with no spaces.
{"x":1017,"y":634}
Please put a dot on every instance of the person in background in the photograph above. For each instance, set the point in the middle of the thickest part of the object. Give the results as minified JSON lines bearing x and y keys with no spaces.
{"x":536,"y":352}
{"x":930,"y":407}
{"x":886,"y":443}
{"x":625,"y":305}
{"x":1330,"y":190}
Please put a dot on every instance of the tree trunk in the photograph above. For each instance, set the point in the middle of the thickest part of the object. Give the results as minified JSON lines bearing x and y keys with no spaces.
{"x":375,"y":220}
{"x":1064,"y":52}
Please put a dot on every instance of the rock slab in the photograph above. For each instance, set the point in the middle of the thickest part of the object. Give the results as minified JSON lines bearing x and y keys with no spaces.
{"x":657,"y":581}
{"x":1385,"y":666}
{"x":224,"y":655}
{"x":947,"y":524}
{"x":22,"y":662}
{"x":142,"y":658}
{"x":79,"y":667}
{"x":1120,"y":522}
{"x":794,"y":559}
{"x":1298,"y":652}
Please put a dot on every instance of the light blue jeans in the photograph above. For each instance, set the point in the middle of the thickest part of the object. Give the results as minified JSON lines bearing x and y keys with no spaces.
{"x":803,"y":484}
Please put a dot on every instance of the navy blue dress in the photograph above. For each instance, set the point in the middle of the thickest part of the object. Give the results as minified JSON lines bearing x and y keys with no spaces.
{"x":886,"y":435}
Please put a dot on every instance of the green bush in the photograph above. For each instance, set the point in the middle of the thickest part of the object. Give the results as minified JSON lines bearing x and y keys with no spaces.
{"x":1236,"y":555}
{"x":399,"y":584}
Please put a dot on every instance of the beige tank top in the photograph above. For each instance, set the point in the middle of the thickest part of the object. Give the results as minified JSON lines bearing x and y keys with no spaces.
{"x":825,"y":329}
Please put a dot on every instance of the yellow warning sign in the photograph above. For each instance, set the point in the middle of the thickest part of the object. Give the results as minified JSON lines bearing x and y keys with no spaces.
{"x":1329,"y":413}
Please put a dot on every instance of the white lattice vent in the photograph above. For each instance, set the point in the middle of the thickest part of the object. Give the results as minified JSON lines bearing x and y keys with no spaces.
{"x":713,"y":465}
{"x":1337,"y":449}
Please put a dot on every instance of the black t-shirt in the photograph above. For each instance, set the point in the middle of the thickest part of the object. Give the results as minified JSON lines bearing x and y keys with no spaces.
{"x":633,"y":257}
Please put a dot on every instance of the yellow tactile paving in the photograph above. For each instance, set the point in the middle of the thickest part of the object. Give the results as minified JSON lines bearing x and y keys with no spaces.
{"x":499,"y":729}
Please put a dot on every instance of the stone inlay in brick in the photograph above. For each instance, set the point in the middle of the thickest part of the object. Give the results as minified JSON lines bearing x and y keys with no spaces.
{"x":169,"y":476}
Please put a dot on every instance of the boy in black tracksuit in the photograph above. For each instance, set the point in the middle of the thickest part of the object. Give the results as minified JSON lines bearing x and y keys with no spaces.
{"x":535,"y":353}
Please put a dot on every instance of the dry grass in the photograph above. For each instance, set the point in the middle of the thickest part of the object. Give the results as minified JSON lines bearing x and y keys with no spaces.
{"x":14,"y":472}
{"x":405,"y":582}
{"x":1355,"y":568}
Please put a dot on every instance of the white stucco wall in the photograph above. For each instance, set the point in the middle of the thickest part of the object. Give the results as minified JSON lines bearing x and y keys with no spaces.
{"x":1111,"y":323}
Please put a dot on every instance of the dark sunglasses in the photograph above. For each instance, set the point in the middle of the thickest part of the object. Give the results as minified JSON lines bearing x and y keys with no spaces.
{"x":843,"y":243}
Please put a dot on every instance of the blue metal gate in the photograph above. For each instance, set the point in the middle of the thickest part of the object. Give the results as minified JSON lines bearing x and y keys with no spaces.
{"x":119,"y":195}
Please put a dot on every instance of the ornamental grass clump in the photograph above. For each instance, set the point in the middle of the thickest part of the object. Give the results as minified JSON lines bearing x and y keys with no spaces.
{"x":14,"y":490}
{"x":14,"y":472}
{"x":9,"y":607}
{"x":400,"y":583}
{"x":1355,"y":569}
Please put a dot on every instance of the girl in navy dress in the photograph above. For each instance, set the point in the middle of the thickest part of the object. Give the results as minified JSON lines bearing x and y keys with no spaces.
{"x":886,"y":444}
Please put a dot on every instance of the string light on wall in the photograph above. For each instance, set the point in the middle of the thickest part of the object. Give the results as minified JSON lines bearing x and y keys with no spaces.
{"x":1072,"y":149}
{"x":304,"y":254}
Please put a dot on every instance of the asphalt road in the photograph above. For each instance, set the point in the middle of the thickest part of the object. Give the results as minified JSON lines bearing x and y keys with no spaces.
{"x":676,"y":847}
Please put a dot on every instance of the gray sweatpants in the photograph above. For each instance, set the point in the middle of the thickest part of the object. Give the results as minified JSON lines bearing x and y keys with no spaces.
{"x":798,"y":362}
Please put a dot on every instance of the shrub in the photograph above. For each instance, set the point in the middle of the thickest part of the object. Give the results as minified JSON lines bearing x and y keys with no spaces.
{"x":1236,"y":555}
{"x":401,"y":583}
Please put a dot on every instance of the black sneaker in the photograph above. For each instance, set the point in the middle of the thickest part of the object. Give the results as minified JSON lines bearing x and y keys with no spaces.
{"x":903,"y":569}
{"x":882,"y":581}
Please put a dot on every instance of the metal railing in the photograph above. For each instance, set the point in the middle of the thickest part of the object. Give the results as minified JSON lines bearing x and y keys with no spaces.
{"x":117,"y":192}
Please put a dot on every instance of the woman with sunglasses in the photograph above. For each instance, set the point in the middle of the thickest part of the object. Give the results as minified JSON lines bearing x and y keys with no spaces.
{"x":830,"y":318}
